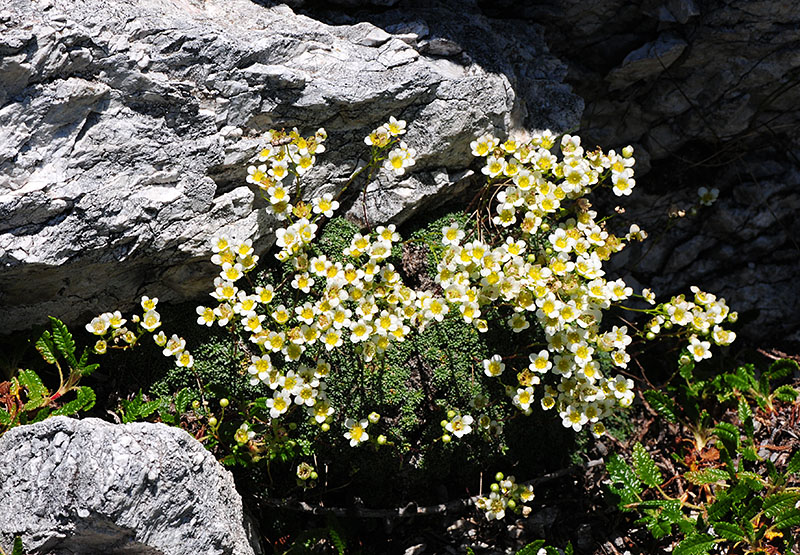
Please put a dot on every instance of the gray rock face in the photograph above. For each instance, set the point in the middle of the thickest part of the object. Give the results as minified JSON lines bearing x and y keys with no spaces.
{"x":665,"y":74}
{"x":86,"y":486}
{"x":706,"y":92}
{"x":126,"y":128}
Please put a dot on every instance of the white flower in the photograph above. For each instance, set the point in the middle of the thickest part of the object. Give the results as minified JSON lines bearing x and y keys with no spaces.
{"x":99,"y":325}
{"x":460,"y":425}
{"x":356,"y":431}
{"x":707,"y":196}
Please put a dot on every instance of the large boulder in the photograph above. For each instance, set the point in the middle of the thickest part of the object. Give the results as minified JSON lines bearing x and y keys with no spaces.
{"x":86,"y":486}
{"x":126,"y":127}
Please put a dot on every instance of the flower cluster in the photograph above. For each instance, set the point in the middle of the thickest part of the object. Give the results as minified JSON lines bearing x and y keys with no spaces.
{"x":544,"y":258}
{"x":111,"y":328}
{"x":702,"y":318}
{"x":361,"y":302}
{"x":287,"y":156}
{"x":538,"y":261}
{"x":505,"y":495}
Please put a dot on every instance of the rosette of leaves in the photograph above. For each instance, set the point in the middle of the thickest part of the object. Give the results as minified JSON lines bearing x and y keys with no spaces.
{"x":28,"y":400}
{"x":742,"y":500}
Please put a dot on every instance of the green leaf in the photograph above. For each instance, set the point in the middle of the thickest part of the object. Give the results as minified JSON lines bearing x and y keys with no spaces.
{"x":35,"y":403}
{"x":182,"y":400}
{"x":532,"y":548}
{"x":779,"y":503}
{"x":788,"y":519}
{"x":742,"y":380}
{"x":31,"y":381}
{"x":88,"y":369}
{"x":569,"y":550}
{"x":697,"y":544}
{"x":686,"y":371}
{"x":658,"y":527}
{"x":725,"y":500}
{"x":687,"y":527}
{"x":337,"y":541}
{"x":46,"y":348}
{"x":729,"y":531}
{"x":149,"y":408}
{"x":751,"y":480}
{"x":750,"y":453}
{"x":5,"y":418}
{"x":781,"y":368}
{"x":131,"y":409}
{"x":470,"y":551}
{"x":84,"y":358}
{"x":794,"y":464}
{"x":84,"y":400}
{"x":786,"y":394}
{"x":63,"y":340}
{"x":747,"y":526}
{"x":41,"y":414}
{"x":746,"y":417}
{"x":645,"y":466}
{"x":662,"y":404}
{"x":624,"y":481}
{"x":17,"y":549}
{"x":706,"y":476}
{"x":729,"y":434}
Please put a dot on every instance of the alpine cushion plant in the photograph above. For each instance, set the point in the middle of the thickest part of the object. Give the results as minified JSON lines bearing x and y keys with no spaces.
{"x":537,"y":260}
{"x":529,"y":260}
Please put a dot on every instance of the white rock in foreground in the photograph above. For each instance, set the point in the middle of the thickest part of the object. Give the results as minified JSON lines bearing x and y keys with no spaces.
{"x":87,"y":486}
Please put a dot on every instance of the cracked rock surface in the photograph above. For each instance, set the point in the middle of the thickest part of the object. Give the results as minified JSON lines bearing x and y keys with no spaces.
{"x":72,"y":487}
{"x":126,"y":128}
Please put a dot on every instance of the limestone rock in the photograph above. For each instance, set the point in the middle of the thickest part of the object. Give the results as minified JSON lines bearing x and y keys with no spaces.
{"x":126,"y":128}
{"x":86,"y":486}
{"x":647,"y":62}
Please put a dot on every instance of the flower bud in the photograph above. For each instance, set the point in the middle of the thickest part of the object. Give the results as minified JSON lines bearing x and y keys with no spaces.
{"x":325,"y":427}
{"x":627,"y":151}
{"x":195,"y":404}
{"x":381,"y":439}
{"x":374,"y":417}
{"x":499,"y":476}
{"x":223,"y":402}
{"x":446,"y":438}
{"x":212,"y":422}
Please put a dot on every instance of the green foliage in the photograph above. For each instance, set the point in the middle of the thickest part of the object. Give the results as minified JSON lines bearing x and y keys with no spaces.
{"x":309,"y":541}
{"x":84,"y":400}
{"x":31,"y":400}
{"x":697,"y":544}
{"x":645,"y":466}
{"x":624,"y":482}
{"x":662,"y":404}
{"x":137,"y":408}
{"x":63,"y":341}
{"x":743,"y":499}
